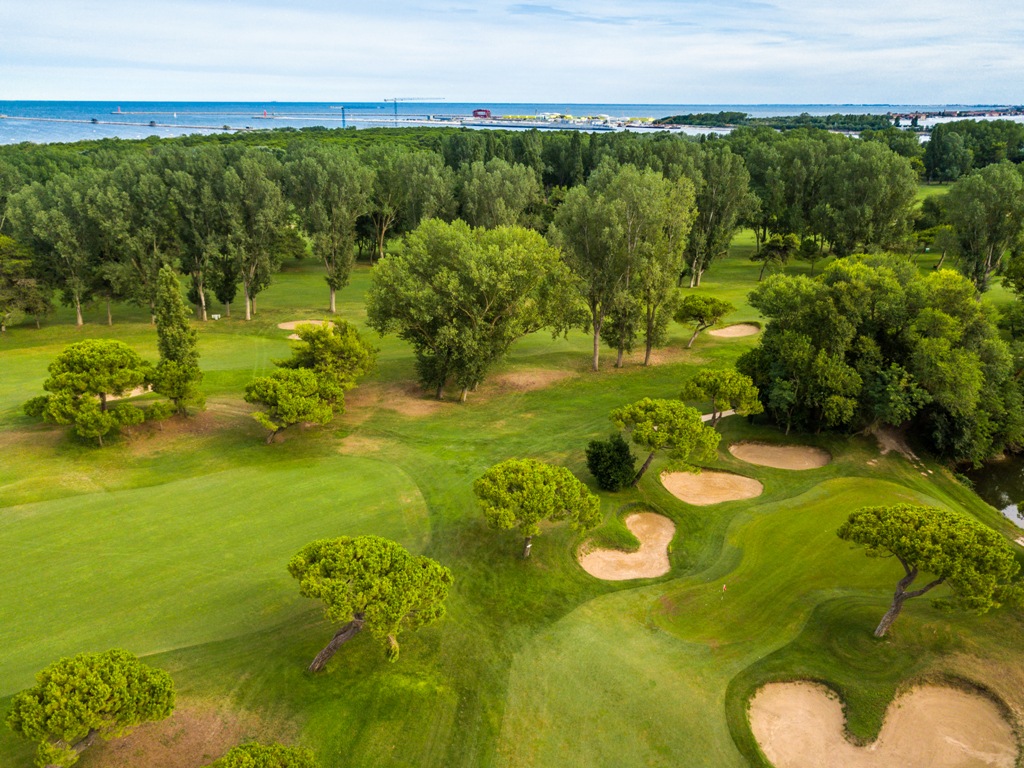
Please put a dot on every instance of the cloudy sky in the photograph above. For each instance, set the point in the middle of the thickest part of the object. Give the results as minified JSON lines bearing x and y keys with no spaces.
{"x":639,"y":51}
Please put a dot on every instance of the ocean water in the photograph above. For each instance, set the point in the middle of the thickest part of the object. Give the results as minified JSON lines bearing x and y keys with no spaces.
{"x":57,"y":121}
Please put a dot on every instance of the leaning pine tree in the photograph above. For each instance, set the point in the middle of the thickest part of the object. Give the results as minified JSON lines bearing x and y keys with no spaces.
{"x":177,"y":375}
{"x":370,"y":583}
{"x":975,"y":562}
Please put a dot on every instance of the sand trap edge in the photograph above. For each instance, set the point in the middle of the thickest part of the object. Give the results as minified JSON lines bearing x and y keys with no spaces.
{"x":710,"y":487}
{"x":792,"y":457}
{"x":649,"y":562}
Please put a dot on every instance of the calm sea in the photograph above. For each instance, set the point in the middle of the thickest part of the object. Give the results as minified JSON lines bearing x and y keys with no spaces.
{"x":54,"y":121}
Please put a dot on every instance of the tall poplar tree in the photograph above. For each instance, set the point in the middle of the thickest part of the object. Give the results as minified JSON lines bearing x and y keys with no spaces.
{"x":177,"y":375}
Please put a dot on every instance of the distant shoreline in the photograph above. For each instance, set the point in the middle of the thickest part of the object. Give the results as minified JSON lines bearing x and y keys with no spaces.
{"x":45,"y":122}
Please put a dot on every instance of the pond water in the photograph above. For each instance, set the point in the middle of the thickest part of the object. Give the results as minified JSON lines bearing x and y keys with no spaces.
{"x":1001,"y":484}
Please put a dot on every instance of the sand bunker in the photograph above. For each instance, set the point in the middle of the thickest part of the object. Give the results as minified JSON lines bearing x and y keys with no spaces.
{"x":710,"y":487}
{"x":655,"y":533}
{"x":735,"y":331}
{"x":801,"y":725}
{"x":291,"y":325}
{"x":781,"y":456}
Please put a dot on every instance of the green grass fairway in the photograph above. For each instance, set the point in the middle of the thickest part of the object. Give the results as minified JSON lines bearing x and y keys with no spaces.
{"x":173,"y":542}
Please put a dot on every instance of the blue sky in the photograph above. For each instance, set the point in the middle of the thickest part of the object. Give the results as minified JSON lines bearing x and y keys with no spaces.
{"x":645,"y":51}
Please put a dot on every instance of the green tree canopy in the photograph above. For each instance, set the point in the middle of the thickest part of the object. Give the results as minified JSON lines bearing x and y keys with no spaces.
{"x":873,"y":341}
{"x":77,"y":699}
{"x":723,"y":196}
{"x":975,"y":562}
{"x":586,"y":229}
{"x":20,"y":292}
{"x":704,"y":311}
{"x":986,"y":211}
{"x":370,"y":583}
{"x":336,"y":351}
{"x":82,"y":379}
{"x":498,"y":193}
{"x":293,"y":396}
{"x":727,"y":389}
{"x":667,"y":425}
{"x":177,"y":374}
{"x":331,"y":189}
{"x":266,"y":756}
{"x":462,"y":296}
{"x":520,"y":493}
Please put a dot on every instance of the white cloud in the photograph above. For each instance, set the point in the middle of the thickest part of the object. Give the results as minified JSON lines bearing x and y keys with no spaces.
{"x":697,"y":51}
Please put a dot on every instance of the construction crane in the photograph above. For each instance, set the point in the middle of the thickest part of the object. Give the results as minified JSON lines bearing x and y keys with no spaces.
{"x":409,"y":98}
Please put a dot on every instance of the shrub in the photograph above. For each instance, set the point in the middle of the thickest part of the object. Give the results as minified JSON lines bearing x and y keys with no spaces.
{"x":611,"y":462}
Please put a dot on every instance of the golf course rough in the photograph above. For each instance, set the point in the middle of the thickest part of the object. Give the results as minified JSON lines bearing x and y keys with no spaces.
{"x":654,"y":532}
{"x":801,"y":725}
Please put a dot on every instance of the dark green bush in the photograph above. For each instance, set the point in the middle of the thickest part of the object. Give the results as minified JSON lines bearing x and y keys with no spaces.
{"x":611,"y":462}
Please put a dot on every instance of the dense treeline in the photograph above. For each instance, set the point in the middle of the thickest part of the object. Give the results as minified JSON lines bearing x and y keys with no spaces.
{"x":836,"y":122}
{"x":872,"y":342}
{"x":956,"y":148}
{"x":94,"y":222}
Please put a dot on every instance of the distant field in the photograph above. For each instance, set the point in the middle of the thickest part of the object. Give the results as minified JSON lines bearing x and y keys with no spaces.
{"x":173,"y":543}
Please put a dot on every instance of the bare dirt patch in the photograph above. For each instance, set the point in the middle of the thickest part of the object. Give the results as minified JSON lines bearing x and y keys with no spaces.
{"x":291,"y":325}
{"x":735,"y":331}
{"x":407,"y":399}
{"x":800,"y":725}
{"x":654,"y":532}
{"x":781,"y":456}
{"x":193,"y":736}
{"x":410,"y":399}
{"x":525,"y":380}
{"x":708,"y":487}
{"x":890,"y":439}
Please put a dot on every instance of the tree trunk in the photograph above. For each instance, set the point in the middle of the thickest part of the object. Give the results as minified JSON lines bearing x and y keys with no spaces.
{"x":636,"y":480}
{"x":271,"y":436}
{"x":618,"y":359}
{"x":693,"y":338}
{"x":103,"y":402}
{"x":527,"y":546}
{"x":227,"y":309}
{"x":252,"y":302}
{"x":890,"y":615}
{"x":201,"y":290}
{"x":248,"y":303}
{"x":110,"y":317}
{"x":901,"y":596}
{"x":341,"y":637}
{"x":440,"y":391}
{"x":81,"y":746}
{"x":78,"y":311}
{"x":647,"y":353}
{"x":462,"y":395}
{"x":334,"y":308}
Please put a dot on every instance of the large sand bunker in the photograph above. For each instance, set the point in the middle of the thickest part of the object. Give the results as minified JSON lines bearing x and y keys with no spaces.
{"x":781,"y":456}
{"x":735,"y":331}
{"x":291,"y":325}
{"x":655,"y":533}
{"x":709,"y":487}
{"x":801,"y":725}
